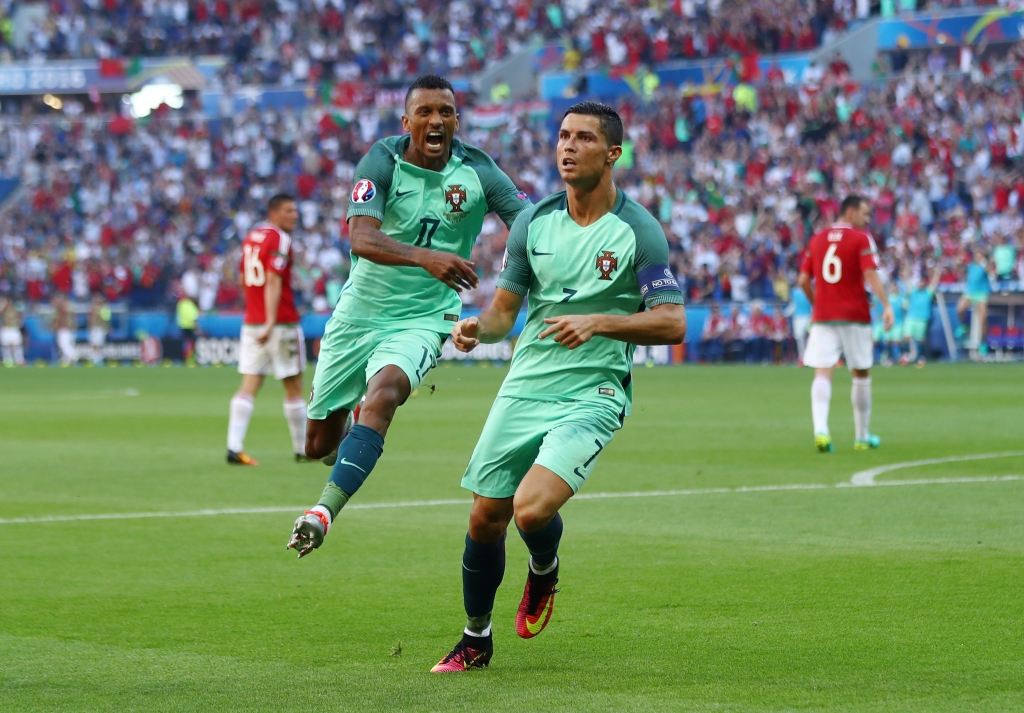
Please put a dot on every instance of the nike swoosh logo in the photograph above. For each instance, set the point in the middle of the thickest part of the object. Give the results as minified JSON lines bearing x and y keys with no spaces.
{"x":348,"y":462}
{"x":577,"y":472}
{"x":477,"y":655}
{"x":537,"y":254}
{"x":399,"y":194}
{"x":537,"y":624}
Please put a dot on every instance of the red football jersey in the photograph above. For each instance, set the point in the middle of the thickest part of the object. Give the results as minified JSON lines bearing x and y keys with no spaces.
{"x":837,"y":258}
{"x":267,"y":248}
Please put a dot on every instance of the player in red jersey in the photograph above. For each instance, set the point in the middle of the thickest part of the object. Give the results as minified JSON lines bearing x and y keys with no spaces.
{"x":272,"y":341}
{"x":840,"y":260}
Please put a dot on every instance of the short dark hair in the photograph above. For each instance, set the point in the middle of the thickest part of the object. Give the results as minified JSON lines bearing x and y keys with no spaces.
{"x":429,"y":81}
{"x":851,"y":202}
{"x":279,"y":200}
{"x":611,"y":122}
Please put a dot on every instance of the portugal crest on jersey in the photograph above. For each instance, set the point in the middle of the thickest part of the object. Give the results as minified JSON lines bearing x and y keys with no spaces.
{"x":455,"y":197}
{"x":606,"y":263}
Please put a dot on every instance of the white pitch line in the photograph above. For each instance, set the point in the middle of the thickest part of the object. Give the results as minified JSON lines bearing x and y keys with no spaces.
{"x":867,"y":477}
{"x":224,"y":511}
{"x":428,"y":503}
{"x":76,"y":397}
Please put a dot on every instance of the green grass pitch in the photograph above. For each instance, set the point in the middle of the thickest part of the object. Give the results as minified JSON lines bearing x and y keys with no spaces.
{"x":833,"y":599}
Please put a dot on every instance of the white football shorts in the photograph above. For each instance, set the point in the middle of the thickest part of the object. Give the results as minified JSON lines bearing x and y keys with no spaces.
{"x":66,"y":343}
{"x":827,"y":342}
{"x":283,"y":355}
{"x":97,"y":336}
{"x":10,"y":336}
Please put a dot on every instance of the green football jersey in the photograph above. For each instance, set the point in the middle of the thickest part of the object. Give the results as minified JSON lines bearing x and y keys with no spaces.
{"x":438,"y":210}
{"x":618,"y":265}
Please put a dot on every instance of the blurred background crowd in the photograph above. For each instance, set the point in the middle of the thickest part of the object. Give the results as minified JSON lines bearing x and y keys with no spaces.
{"x":142,"y":212}
{"x":298,"y":40}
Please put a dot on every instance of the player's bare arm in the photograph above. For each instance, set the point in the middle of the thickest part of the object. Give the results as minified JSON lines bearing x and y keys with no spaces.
{"x":874,"y":281}
{"x":271,"y":298}
{"x":369,"y":243}
{"x":492,"y":325}
{"x":664,"y":324}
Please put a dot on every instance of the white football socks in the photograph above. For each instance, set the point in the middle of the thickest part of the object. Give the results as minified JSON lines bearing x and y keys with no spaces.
{"x":860,"y":397}
{"x":295,"y":414}
{"x":242,"y":406}
{"x":821,"y":397}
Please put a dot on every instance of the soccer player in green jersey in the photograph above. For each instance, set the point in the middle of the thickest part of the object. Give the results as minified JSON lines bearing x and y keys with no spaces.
{"x":919,"y":313}
{"x":595,"y":266}
{"x":415,"y":212}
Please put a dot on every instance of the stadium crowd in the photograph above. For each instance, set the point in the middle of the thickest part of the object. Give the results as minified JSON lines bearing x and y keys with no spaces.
{"x":295,"y":41}
{"x":144,"y":211}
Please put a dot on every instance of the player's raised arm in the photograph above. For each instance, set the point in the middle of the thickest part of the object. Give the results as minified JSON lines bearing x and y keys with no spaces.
{"x":369,"y":243}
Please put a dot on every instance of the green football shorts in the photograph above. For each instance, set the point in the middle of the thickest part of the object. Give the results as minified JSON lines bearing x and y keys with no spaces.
{"x":895,"y":334}
{"x":877,"y":332}
{"x":916,"y":329}
{"x":564,"y":437}
{"x":351,"y":355}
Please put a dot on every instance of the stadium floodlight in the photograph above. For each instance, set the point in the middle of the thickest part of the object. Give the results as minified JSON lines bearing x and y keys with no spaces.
{"x":151,"y":96}
{"x":53,"y":102}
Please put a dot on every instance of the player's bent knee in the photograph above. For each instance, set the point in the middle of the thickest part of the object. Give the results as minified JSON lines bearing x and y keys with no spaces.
{"x":384,"y":400}
{"x":532,"y":516}
{"x":323,"y":436}
{"x":314,"y":449}
{"x":489,"y":519}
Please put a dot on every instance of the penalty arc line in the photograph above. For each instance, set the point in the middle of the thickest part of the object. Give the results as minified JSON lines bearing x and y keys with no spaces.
{"x":428,"y":503}
{"x":867,"y":477}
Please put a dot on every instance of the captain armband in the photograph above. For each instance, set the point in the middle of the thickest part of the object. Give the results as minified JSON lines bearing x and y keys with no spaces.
{"x":655,"y":279}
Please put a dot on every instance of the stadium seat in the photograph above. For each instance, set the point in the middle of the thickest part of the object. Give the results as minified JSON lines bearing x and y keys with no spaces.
{"x":1014,"y":339}
{"x":996,"y":338}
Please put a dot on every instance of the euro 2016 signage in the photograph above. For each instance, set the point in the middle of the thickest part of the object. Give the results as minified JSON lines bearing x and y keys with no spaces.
{"x":25,"y":80}
{"x":210,"y":352}
{"x":148,"y":350}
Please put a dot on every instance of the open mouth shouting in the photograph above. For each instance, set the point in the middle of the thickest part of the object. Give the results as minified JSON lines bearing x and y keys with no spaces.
{"x":434,"y":140}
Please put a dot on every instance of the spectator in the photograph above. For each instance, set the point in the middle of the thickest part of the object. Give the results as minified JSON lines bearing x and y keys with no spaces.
{"x":99,"y":327}
{"x":11,"y":339}
{"x":799,"y":310}
{"x":779,"y":334}
{"x":919,"y":314}
{"x":64,"y":327}
{"x":186,"y":317}
{"x":976,"y":292}
{"x":1004,"y":258}
{"x":715,"y":329}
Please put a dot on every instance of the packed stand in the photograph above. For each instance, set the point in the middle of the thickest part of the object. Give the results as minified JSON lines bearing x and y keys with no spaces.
{"x":298,"y":41}
{"x":140,"y":212}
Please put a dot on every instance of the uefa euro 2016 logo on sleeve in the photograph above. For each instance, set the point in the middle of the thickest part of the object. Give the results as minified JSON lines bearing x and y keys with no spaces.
{"x":363,"y":191}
